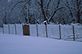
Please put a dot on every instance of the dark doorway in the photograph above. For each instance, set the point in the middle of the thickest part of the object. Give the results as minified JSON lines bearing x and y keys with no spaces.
{"x":26,"y":30}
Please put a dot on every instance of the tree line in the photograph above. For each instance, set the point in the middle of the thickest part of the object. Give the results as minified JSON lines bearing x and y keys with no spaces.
{"x":38,"y":11}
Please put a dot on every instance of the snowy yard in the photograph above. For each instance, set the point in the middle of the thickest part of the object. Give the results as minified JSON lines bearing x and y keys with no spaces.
{"x":18,"y":44}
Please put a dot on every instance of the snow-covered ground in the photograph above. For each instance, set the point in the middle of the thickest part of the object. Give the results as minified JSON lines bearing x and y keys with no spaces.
{"x":18,"y":44}
{"x":52,"y":29}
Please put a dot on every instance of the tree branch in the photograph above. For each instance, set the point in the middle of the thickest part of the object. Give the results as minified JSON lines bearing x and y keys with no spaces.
{"x":69,"y":8}
{"x":55,"y":13}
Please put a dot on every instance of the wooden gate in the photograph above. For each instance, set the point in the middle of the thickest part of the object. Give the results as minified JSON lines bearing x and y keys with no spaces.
{"x":26,"y":30}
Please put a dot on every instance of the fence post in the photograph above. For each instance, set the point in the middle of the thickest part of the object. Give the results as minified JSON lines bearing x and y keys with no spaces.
{"x":9,"y":28}
{"x":15,"y":29}
{"x":46,"y":30}
{"x":73,"y":32}
{"x":3,"y":29}
{"x":45,"y":22}
{"x":60,"y":31}
{"x":37,"y":29}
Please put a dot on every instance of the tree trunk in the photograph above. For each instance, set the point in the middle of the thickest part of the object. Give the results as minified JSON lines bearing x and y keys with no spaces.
{"x":78,"y":11}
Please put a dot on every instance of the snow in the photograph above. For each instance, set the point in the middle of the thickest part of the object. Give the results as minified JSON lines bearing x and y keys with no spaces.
{"x":6,"y":29}
{"x":33,"y":31}
{"x":16,"y":44}
{"x":67,"y":31}
{"x":12,"y":29}
{"x":53,"y":31}
{"x":78,"y":32}
{"x":19,"y":29}
{"x":41,"y":30}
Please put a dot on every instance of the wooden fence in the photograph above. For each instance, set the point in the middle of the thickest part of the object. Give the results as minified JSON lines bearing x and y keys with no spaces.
{"x":67,"y":32}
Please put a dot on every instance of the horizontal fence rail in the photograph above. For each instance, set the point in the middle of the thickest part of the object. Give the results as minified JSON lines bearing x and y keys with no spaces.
{"x":55,"y":31}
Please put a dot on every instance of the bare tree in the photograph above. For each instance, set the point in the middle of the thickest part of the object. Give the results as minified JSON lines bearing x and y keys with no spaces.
{"x":42,"y":9}
{"x":24,"y":9}
{"x":75,"y":9}
{"x":45,"y":11}
{"x":5,"y":18}
{"x":69,"y":8}
{"x":78,"y":10}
